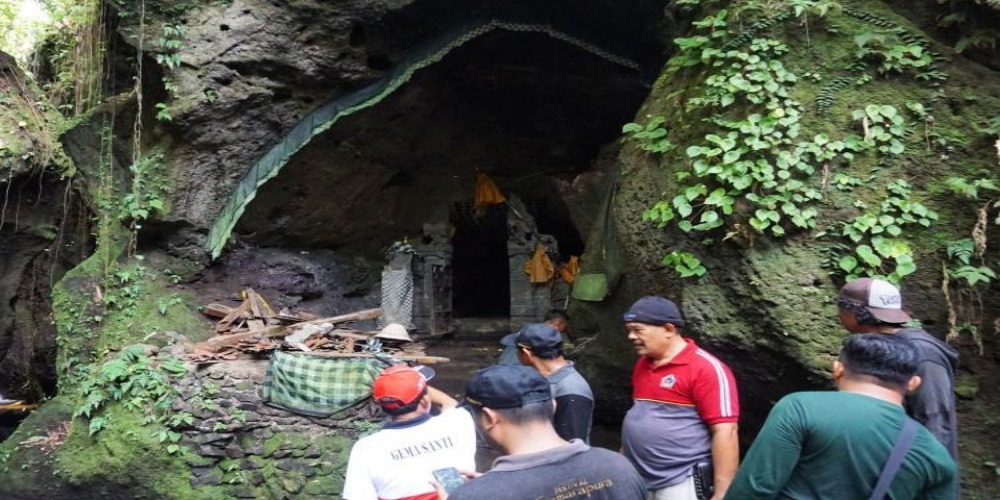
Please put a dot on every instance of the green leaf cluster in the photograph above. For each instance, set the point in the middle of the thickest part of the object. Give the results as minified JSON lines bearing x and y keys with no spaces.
{"x":884,"y":254}
{"x":685,"y":264}
{"x":877,"y":250}
{"x":757,"y":160}
{"x":890,"y":54}
{"x":970,"y":189}
{"x":123,"y":289}
{"x":650,"y":137}
{"x":147,"y":191}
{"x":171,"y":41}
{"x":963,"y":269}
{"x":884,"y":128}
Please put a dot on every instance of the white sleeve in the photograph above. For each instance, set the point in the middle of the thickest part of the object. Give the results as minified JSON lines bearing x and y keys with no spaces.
{"x":357,"y":482}
{"x":465,"y":435}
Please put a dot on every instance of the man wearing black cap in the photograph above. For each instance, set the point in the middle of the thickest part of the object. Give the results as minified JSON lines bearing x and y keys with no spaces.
{"x":556,"y":318}
{"x":539,"y":346}
{"x":397,"y":461}
{"x":512,"y":408}
{"x":869,"y":305}
{"x":681,"y":432}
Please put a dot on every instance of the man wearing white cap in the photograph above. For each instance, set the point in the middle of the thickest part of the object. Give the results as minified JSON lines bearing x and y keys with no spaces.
{"x":875,"y":306}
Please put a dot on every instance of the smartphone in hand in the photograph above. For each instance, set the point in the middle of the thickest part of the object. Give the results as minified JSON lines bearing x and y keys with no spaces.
{"x":449,"y":478}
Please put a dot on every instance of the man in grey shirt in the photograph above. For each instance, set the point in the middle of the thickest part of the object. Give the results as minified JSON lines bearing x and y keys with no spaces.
{"x":539,"y":346}
{"x":512,"y":409}
{"x":556,"y":318}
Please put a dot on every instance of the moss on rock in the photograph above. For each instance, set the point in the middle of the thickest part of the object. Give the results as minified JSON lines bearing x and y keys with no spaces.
{"x":764,"y":305}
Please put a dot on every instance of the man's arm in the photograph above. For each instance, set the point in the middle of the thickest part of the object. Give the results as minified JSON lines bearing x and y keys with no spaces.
{"x":772,"y":456}
{"x":572,"y":418}
{"x":440,"y":398}
{"x":945,"y":489}
{"x":717,"y":400}
{"x":933,"y":402}
{"x":725,"y":456}
{"x":357,"y":483}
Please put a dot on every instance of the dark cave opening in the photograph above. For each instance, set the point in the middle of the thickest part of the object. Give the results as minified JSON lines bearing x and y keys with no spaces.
{"x":480,"y":270}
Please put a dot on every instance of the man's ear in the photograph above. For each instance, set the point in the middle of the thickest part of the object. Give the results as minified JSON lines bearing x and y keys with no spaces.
{"x":426,"y":401}
{"x":670,"y":328}
{"x":913,"y":384}
{"x":837,"y":370}
{"x":491,"y":417}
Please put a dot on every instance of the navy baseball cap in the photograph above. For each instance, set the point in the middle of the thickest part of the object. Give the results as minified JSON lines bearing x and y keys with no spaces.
{"x":534,"y":335}
{"x":654,"y":310}
{"x":506,"y":386}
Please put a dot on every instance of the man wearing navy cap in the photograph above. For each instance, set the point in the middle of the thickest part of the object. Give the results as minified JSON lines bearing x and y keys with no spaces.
{"x":681,"y":432}
{"x":539,"y":346}
{"x":512,"y":408}
{"x":556,"y":318}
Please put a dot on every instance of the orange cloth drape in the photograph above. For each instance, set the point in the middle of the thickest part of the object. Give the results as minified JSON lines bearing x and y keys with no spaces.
{"x":569,"y":270}
{"x":540,"y":267}
{"x":487,"y":193}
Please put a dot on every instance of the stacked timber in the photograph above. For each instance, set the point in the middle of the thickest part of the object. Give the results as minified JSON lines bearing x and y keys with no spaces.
{"x":254,"y":329}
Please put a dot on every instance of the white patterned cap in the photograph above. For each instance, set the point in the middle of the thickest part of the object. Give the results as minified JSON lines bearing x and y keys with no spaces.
{"x":881,"y":298}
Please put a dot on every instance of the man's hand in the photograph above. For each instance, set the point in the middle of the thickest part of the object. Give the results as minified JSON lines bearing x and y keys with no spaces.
{"x":442,"y":494}
{"x":725,"y":456}
{"x":440,"y":398}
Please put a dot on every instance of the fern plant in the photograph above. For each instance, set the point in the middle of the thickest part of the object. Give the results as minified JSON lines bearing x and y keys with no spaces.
{"x":134,"y":379}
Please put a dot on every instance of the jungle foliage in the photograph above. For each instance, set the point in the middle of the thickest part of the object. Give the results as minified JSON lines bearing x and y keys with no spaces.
{"x":751,"y":171}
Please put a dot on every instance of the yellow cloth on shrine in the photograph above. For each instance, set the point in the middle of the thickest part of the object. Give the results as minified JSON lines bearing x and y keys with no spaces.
{"x":569,"y":270}
{"x":487,"y":193}
{"x":540,"y":267}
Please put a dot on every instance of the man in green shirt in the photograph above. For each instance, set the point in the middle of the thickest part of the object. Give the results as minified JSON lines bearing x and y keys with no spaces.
{"x":833,"y":445}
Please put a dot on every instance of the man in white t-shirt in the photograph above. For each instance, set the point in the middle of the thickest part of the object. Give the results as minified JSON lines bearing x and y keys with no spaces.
{"x":396,"y":462}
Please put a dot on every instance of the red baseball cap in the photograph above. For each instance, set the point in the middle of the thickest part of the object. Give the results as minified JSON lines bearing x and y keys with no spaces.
{"x":400,"y":385}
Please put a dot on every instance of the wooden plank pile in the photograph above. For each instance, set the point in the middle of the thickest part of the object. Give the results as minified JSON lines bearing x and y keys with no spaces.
{"x":254,"y":329}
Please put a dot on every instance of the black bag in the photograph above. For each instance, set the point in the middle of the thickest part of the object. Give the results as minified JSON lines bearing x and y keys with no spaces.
{"x":704,"y":480}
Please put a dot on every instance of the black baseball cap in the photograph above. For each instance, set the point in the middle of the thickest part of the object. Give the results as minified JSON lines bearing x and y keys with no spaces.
{"x":533,"y":336}
{"x":506,"y":386}
{"x":654,"y":310}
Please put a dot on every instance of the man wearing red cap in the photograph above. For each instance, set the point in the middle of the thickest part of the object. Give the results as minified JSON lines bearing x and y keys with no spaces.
{"x":681,"y":432}
{"x":396,"y":463}
{"x":875,"y":306}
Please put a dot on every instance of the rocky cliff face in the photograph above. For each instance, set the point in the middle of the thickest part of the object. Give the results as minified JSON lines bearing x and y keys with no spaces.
{"x":763,"y":304}
{"x":40,"y":233}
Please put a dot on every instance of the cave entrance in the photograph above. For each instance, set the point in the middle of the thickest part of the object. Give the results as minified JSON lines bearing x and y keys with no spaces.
{"x":536,"y":114}
{"x":480,"y":265}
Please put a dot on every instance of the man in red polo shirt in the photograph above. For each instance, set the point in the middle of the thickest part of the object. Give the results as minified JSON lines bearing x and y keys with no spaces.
{"x":685,"y":409}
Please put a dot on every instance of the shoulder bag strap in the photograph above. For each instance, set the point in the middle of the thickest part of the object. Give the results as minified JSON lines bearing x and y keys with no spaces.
{"x":903,"y":443}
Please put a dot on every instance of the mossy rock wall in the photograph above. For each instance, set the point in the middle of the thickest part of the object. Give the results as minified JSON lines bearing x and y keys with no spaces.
{"x":764,"y":305}
{"x":234,"y":447}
